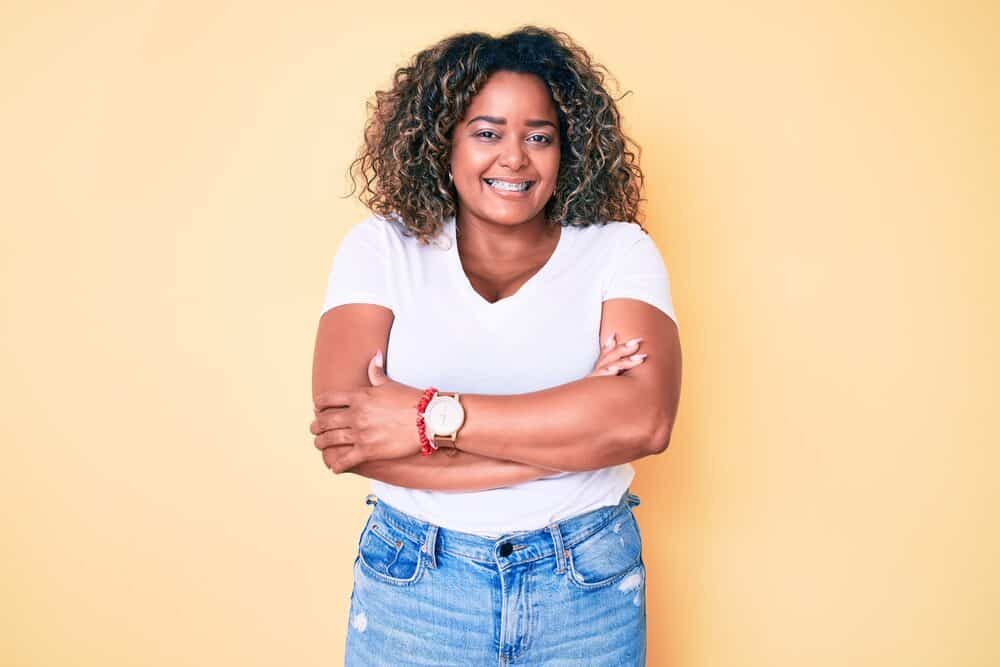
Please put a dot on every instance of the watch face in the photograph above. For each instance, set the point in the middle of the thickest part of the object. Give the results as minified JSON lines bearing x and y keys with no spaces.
{"x":443,"y":415}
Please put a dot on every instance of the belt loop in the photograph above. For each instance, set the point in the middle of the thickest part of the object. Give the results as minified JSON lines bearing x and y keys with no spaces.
{"x":632,"y":499}
{"x":371,"y":499}
{"x":429,"y":546}
{"x":557,"y":542}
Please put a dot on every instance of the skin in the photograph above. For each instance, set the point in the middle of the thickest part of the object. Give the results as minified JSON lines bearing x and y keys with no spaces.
{"x":503,"y":241}
{"x":509,"y":131}
{"x":454,"y":471}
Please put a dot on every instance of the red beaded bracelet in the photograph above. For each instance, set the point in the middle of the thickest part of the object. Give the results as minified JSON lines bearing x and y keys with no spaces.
{"x":426,"y":446}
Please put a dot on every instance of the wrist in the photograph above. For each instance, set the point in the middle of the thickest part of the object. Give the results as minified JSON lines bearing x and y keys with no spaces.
{"x":440,"y":421}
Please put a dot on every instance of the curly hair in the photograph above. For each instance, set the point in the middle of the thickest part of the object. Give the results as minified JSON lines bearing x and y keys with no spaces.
{"x":404,"y":158}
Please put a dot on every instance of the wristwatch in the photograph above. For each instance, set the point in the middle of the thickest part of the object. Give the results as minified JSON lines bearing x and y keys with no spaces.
{"x":443,"y":417}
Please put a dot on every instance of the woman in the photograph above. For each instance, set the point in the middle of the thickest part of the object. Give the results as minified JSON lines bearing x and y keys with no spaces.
{"x":497,"y":429}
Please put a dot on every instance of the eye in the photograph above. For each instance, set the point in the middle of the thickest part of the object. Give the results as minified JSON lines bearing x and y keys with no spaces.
{"x":547,"y":139}
{"x":482,"y":132}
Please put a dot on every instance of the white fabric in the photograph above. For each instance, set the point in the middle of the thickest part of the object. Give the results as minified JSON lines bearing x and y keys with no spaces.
{"x":446,"y":335}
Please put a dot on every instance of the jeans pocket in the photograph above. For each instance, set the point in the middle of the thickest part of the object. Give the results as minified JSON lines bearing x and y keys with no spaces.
{"x":607,"y":555}
{"x":388,"y":554}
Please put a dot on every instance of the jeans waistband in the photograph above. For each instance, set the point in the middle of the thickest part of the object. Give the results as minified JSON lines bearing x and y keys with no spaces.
{"x":509,"y":549}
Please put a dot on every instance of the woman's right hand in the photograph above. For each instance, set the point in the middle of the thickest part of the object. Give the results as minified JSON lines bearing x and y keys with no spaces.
{"x":617,"y":358}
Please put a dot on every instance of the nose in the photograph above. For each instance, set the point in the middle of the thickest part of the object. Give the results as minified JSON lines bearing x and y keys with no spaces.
{"x":512,"y":155}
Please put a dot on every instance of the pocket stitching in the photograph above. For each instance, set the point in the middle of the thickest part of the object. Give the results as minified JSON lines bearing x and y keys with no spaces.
{"x":382,"y":576}
{"x":575,"y":577}
{"x":393,"y":544}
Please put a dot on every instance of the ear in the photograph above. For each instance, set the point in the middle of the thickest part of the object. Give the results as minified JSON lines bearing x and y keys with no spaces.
{"x":376,"y":370}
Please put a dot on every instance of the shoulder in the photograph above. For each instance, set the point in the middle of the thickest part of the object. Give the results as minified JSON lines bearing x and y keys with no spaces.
{"x":374,"y":233}
{"x":611,"y":237}
{"x":612,"y":228}
{"x":373,"y":226}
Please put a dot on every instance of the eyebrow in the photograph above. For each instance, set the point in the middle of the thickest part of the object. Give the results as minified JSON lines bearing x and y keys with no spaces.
{"x":503,"y":121}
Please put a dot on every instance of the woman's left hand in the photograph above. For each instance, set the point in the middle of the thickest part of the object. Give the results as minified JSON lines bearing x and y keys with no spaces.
{"x":367,"y":424}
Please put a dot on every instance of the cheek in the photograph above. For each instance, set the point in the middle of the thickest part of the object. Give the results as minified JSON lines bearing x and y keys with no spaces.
{"x":550,"y":168}
{"x":548,"y":164}
{"x":547,"y":190}
{"x":469,"y":162}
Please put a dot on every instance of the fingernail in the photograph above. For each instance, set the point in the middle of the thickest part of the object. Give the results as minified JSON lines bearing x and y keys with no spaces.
{"x":612,"y":370}
{"x":378,"y":358}
{"x":637,"y":357}
{"x":610,"y":341}
{"x":633,"y":342}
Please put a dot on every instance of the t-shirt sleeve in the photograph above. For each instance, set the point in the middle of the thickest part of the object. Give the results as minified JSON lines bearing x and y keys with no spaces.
{"x":639,"y":272}
{"x":359,"y":272}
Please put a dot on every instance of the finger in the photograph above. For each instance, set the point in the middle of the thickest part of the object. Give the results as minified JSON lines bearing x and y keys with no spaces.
{"x":332,"y":399}
{"x":630,"y":346}
{"x":376,"y":370}
{"x":334,"y":438}
{"x":607,"y":356}
{"x":350,"y":459}
{"x":621,"y":365}
{"x":630,"y":362}
{"x":328,"y":419}
{"x":331,"y":454}
{"x":617,"y":352}
{"x":610,"y":342}
{"x":319,"y":427}
{"x":316,"y":426}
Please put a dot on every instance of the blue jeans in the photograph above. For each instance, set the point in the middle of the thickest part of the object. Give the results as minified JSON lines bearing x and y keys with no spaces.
{"x":567,"y":595}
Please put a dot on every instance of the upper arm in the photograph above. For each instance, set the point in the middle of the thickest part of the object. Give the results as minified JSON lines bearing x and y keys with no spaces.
{"x":659,"y":376}
{"x":357,"y":309}
{"x":347,"y":339}
{"x":637,"y":303}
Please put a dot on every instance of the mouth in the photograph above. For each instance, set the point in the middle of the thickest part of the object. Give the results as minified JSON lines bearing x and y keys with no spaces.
{"x":501,"y":185}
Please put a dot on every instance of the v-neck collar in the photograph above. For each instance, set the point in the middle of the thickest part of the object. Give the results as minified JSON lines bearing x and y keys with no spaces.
{"x":476,"y":299}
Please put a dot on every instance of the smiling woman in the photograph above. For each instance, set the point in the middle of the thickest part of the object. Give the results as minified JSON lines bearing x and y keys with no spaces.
{"x":502,"y":250}
{"x":513,"y":150}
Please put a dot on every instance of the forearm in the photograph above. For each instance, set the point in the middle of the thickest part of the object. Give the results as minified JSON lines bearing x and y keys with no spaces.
{"x":586,"y":424}
{"x":464,"y":471}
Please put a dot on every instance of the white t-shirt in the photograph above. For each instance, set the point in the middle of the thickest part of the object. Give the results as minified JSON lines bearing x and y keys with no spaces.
{"x":446,"y":335}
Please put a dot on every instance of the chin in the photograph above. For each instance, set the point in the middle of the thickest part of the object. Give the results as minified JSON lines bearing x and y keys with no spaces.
{"x":508,"y":217}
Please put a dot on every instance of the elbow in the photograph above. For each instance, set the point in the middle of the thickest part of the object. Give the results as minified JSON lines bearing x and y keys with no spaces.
{"x":659,"y":440}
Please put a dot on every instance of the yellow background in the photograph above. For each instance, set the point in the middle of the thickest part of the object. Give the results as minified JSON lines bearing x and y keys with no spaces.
{"x":822,"y":182}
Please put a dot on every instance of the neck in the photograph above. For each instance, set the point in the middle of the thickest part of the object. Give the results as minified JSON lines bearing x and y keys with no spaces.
{"x":500,"y":241}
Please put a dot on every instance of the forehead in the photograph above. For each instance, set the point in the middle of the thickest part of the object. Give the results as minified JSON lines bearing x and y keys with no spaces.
{"x":513,"y":95}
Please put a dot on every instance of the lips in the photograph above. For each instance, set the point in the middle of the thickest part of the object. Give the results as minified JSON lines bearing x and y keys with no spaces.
{"x":490,"y":181}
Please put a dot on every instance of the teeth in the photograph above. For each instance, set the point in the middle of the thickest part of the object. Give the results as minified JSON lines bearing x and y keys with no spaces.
{"x":512,"y":187}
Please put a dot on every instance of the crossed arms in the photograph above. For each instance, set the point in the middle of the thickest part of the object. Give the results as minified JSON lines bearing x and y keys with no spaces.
{"x":586,"y":424}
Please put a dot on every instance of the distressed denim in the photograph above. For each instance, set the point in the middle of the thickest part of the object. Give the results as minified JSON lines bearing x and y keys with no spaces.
{"x":566,"y":595}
